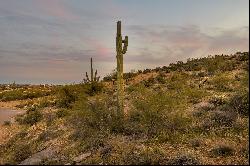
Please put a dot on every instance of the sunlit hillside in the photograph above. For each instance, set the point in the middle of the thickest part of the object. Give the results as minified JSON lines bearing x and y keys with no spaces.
{"x":184,"y":113}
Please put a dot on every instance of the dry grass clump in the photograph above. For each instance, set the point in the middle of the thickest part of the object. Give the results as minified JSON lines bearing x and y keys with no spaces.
{"x":183,"y":159}
{"x":222,"y":150}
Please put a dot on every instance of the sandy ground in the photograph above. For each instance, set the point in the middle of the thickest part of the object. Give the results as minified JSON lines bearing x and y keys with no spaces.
{"x":7,"y":111}
{"x":8,"y":114}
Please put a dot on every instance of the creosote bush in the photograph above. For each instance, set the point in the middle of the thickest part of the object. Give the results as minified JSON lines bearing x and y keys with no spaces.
{"x":240,"y":103}
{"x":222,"y":150}
{"x":31,"y":118}
{"x":93,"y":88}
{"x":66,"y":96}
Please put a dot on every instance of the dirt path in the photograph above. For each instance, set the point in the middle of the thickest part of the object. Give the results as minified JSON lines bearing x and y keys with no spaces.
{"x":8,"y":114}
{"x":7,"y":111}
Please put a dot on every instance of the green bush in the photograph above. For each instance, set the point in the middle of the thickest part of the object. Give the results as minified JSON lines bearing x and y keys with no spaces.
{"x":221,"y":83}
{"x":32,"y":117}
{"x":93,"y":121}
{"x":66,"y":96}
{"x":156,"y":113}
{"x":160,"y":78}
{"x":21,"y":94}
{"x":93,"y":88}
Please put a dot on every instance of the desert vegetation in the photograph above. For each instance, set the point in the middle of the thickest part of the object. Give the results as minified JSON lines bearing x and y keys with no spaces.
{"x":185,"y":113}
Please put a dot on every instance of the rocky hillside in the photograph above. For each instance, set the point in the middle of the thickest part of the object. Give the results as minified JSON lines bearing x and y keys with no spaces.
{"x":185,"y":113}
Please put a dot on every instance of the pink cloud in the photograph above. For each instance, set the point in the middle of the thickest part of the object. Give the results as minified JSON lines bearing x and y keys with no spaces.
{"x":56,"y":8}
{"x":101,"y":49}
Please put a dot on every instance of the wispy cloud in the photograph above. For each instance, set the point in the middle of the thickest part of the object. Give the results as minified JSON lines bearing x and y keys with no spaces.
{"x":56,"y":8}
{"x":165,"y":44}
{"x":54,"y":39}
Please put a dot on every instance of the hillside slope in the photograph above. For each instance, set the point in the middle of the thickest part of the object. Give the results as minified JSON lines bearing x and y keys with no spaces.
{"x":185,"y":113}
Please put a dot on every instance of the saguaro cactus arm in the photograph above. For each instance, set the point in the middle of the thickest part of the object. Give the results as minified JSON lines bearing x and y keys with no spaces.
{"x":95,"y":77}
{"x":87,"y":77}
{"x":125,"y":46}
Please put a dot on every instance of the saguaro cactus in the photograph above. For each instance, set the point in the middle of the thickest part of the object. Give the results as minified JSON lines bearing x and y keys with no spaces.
{"x":120,"y":50}
{"x":92,"y":78}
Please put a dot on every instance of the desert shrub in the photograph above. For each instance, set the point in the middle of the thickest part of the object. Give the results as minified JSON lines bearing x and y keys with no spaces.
{"x":20,"y":94}
{"x":245,"y":151}
{"x":198,"y":113}
{"x":21,"y":152}
{"x":7,"y":123}
{"x":194,"y":95}
{"x":146,"y":156}
{"x":243,"y":56}
{"x":66,"y":96}
{"x":145,"y":71}
{"x":31,"y":108}
{"x":46,"y":102}
{"x":93,"y":121}
{"x":201,"y":74}
{"x":240,"y":103}
{"x":206,"y":124}
{"x":223,"y":118}
{"x":221,"y":83}
{"x":127,"y":153}
{"x":245,"y":66}
{"x":93,"y":88}
{"x":151,"y":81}
{"x":156,"y":113}
{"x":183,"y":159}
{"x":160,"y":78}
{"x":94,"y":115}
{"x":62,"y":113}
{"x":217,"y":101}
{"x":129,"y":75}
{"x":21,"y":134}
{"x":32,"y":117}
{"x":110,"y":76}
{"x":222,"y":150}
{"x":11,"y":95}
{"x":47,"y":135}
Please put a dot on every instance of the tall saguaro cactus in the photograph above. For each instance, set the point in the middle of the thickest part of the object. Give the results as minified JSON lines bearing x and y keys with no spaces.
{"x":92,"y":77}
{"x":121,"y":48}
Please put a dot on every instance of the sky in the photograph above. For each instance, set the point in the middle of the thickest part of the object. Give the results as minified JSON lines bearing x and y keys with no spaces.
{"x":52,"y":41}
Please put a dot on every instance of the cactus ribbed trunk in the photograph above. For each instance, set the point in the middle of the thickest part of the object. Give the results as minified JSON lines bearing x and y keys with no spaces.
{"x":120,"y":50}
{"x":91,"y":70}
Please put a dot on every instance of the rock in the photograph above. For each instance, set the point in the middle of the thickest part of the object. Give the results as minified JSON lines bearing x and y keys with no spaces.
{"x":38,"y":157}
{"x":81,"y":157}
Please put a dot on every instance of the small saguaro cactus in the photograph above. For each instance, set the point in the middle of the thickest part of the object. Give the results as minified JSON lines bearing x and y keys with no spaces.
{"x":92,"y":78}
{"x":120,"y":50}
